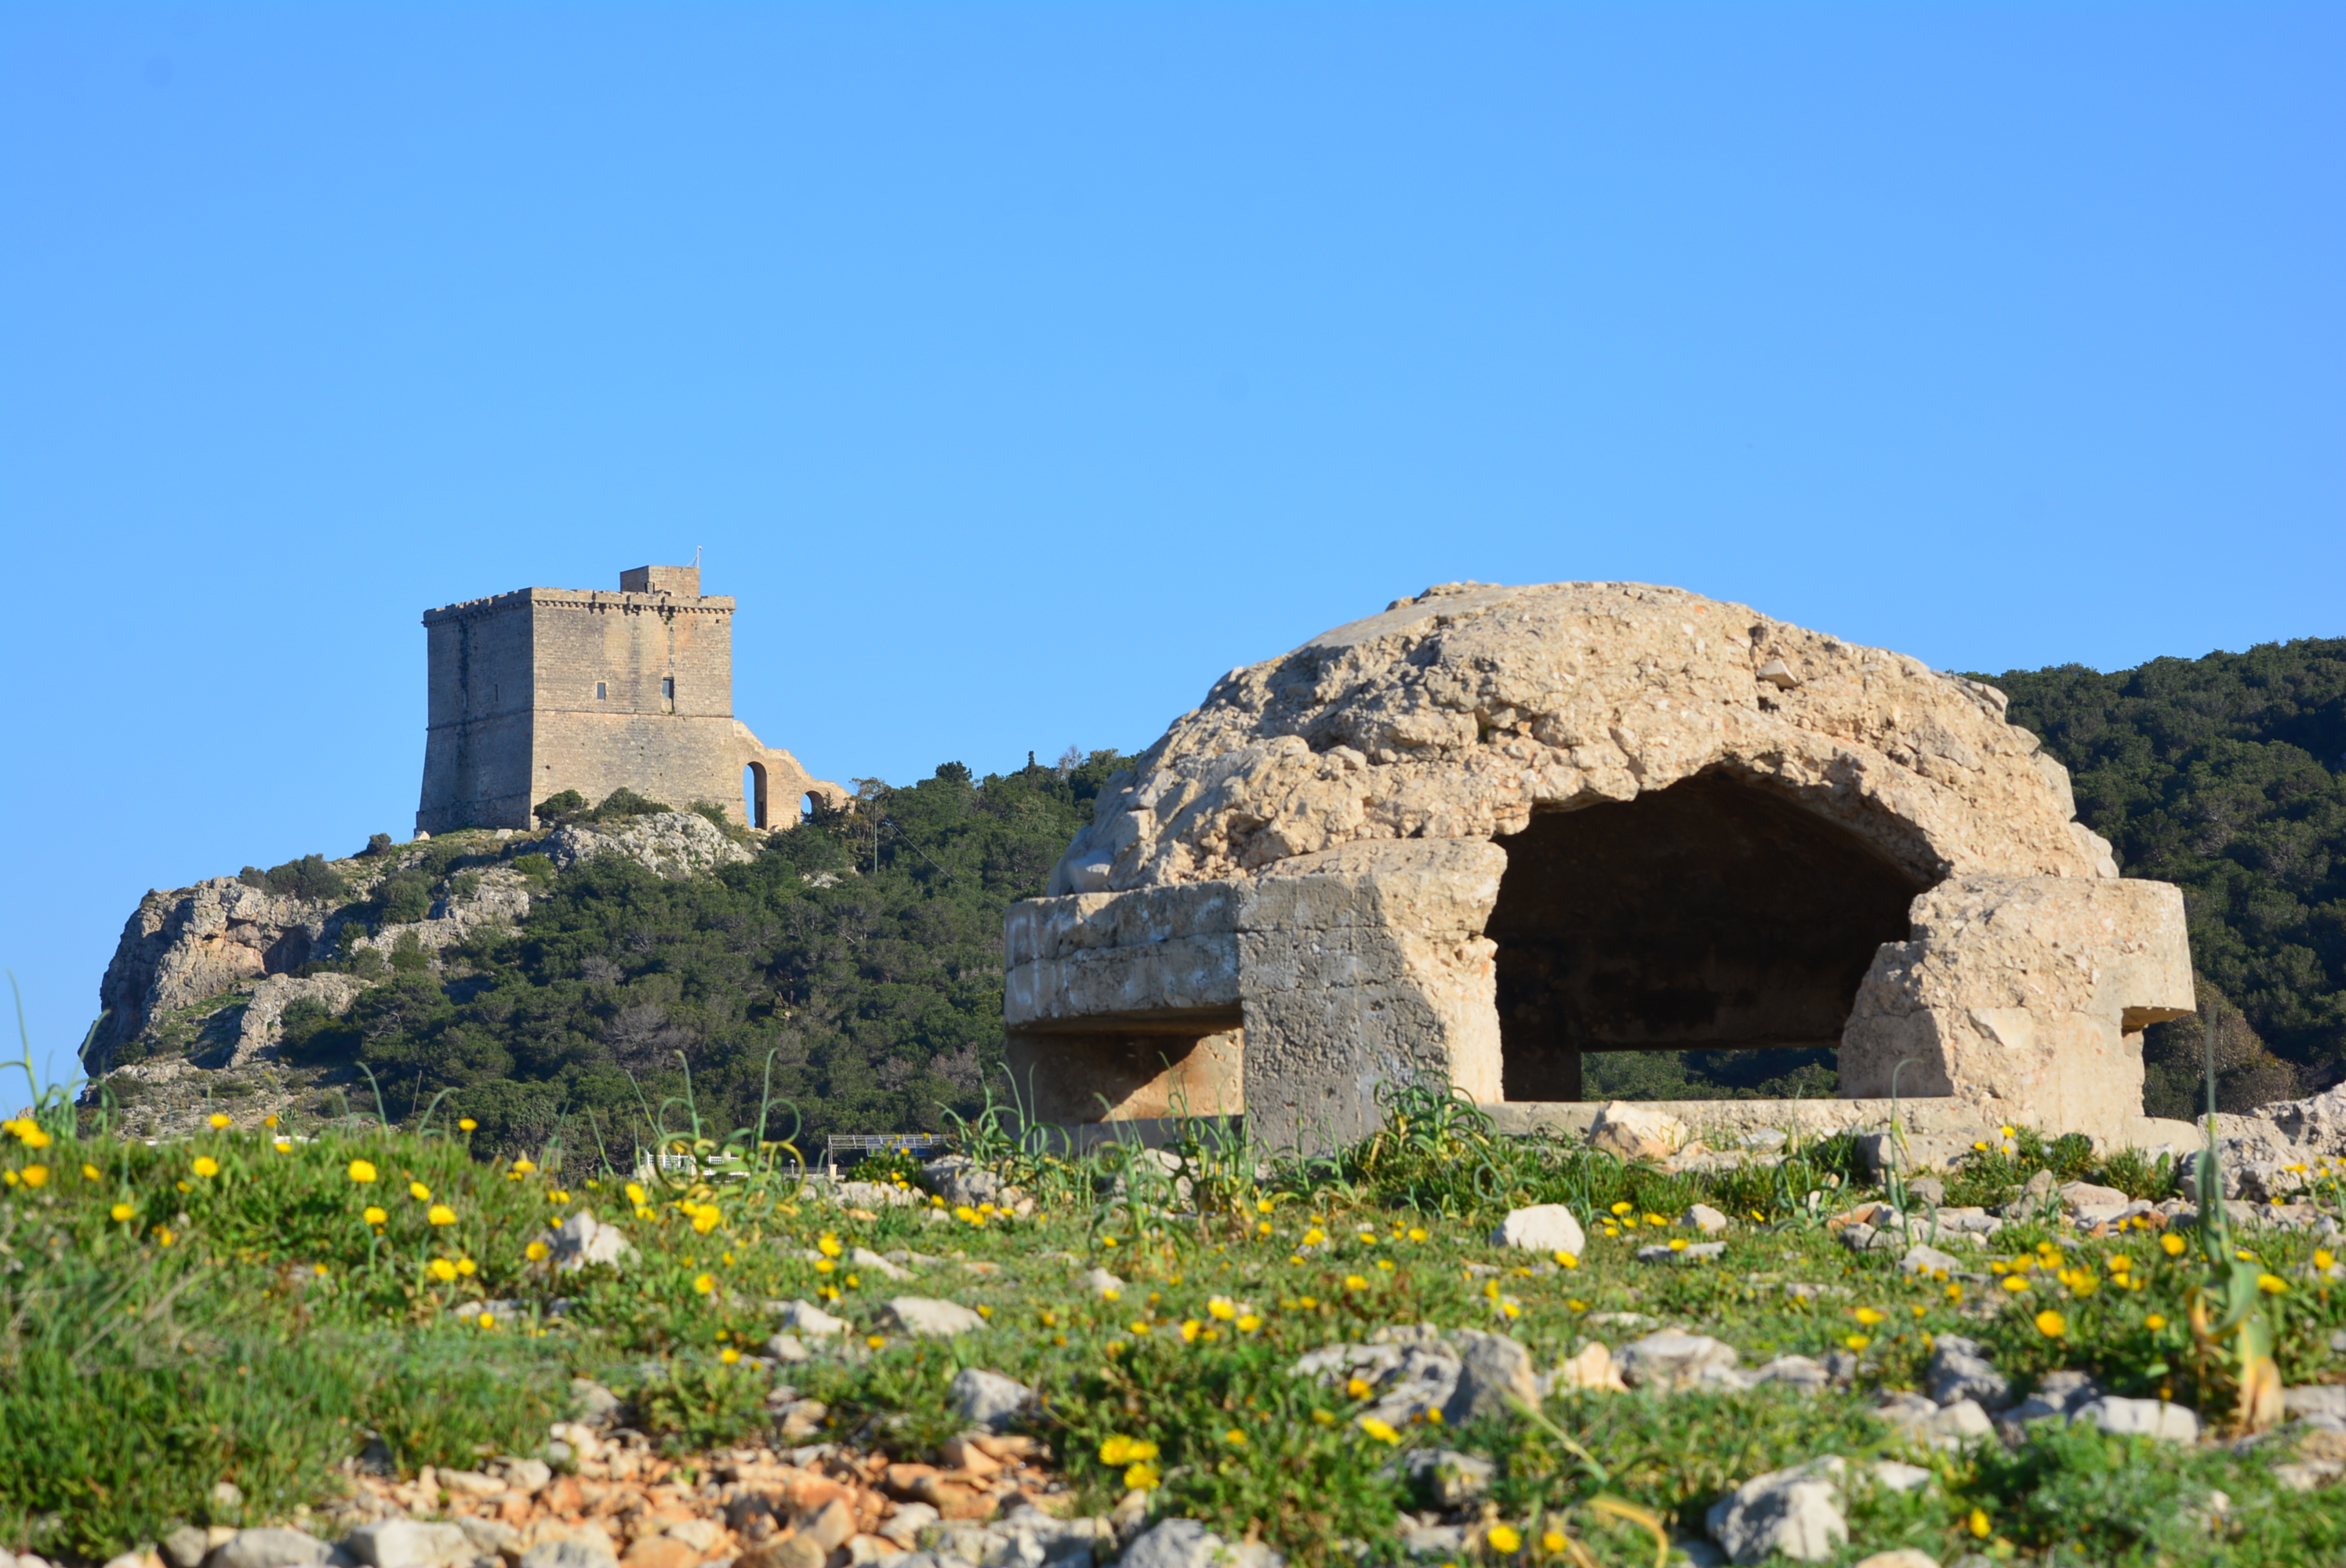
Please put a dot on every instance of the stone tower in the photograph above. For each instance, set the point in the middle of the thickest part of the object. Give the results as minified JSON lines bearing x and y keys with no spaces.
{"x":546,"y":690}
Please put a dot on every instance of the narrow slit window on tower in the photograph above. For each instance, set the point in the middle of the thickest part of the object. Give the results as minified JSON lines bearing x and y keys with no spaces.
{"x":668,"y":689}
{"x":602,"y":691}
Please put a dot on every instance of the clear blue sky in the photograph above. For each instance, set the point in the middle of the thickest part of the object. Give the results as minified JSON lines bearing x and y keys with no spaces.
{"x":1022,"y":368}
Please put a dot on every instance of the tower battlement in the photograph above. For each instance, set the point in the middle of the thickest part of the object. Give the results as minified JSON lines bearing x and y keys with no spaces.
{"x":540,"y":690}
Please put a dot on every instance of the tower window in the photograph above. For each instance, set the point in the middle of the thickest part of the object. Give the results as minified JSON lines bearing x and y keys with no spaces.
{"x":602,"y":691}
{"x":667,"y":688}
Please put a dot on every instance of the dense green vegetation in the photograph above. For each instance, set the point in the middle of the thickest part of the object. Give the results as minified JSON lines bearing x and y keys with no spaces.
{"x":2227,"y":775}
{"x":852,"y":971}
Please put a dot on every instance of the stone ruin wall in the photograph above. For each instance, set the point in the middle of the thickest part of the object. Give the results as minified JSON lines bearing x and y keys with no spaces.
{"x":1289,"y":901}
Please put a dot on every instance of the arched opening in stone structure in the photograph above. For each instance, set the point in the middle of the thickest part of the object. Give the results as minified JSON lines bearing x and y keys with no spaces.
{"x":1711,"y":917}
{"x":809,"y":806}
{"x":753,"y":794}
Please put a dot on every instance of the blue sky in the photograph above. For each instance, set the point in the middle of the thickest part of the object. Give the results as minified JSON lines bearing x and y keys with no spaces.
{"x":1021,"y":369}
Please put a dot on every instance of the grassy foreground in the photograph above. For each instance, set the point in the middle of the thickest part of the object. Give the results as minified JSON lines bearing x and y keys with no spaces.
{"x":254,"y":1308}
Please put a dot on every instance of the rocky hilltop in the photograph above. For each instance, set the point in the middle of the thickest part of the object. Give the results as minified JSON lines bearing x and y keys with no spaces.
{"x":194,"y":999}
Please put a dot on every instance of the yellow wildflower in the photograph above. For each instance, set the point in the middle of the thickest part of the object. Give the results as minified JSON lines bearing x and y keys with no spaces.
{"x":1235,"y":1437}
{"x":1222,"y":1307}
{"x":375,"y":1215}
{"x":467,"y":1268}
{"x":362,"y":1171}
{"x":121,"y":1212}
{"x":466,"y":1123}
{"x":91,"y":1172}
{"x":205,"y":1166}
{"x":419,"y":1192}
{"x":1248,"y":1323}
{"x":828,"y":1246}
{"x":1504,"y":1537}
{"x":1567,"y":1260}
{"x":2272,"y":1284}
{"x":1381,"y":1431}
{"x":636,"y":1194}
{"x":1857,"y":1341}
{"x":2155,"y":1322}
{"x":2172,"y":1246}
{"x":535,"y":1251}
{"x":218,"y":1121}
{"x":1551,"y":1541}
{"x":525,"y":1166}
{"x":1869,"y":1316}
{"x":486,"y":1320}
{"x":37,"y":1175}
{"x":2051,"y":1323}
{"x":1979,"y":1524}
{"x":1354,"y":1282}
{"x":705,"y":1283}
{"x":441,"y":1214}
{"x":441,"y":1269}
{"x":1142,"y":1478}
{"x":282,"y":1145}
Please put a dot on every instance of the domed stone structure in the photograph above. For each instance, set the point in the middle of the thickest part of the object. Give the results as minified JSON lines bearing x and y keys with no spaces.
{"x":1493,"y":828}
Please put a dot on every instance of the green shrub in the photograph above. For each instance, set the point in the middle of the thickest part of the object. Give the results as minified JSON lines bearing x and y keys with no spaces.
{"x":308,"y":877}
{"x":404,"y":896}
{"x":464,"y":884}
{"x":561,"y":807}
{"x":534,"y":866}
{"x":407,"y":956}
{"x":623,"y":803}
{"x":377,"y":844}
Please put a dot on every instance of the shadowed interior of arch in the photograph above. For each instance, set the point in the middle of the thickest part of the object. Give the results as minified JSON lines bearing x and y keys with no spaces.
{"x":1709,"y":916}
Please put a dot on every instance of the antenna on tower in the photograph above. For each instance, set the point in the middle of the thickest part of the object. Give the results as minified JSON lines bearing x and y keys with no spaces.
{"x":696,"y":557}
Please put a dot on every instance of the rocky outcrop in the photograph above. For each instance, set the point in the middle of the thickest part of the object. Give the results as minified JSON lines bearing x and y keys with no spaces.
{"x":670,"y":843}
{"x":189,"y":945}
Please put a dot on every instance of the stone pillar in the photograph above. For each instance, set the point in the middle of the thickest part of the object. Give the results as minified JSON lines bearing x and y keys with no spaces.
{"x":2026,"y":997}
{"x":1362,"y":966}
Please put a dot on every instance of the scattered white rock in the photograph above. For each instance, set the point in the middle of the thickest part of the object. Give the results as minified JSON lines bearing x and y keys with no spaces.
{"x":1705,"y":1218}
{"x":984,"y":1398}
{"x":864,"y":1258}
{"x":1672,"y":1358}
{"x":1961,"y":1370}
{"x":1099,"y":1282}
{"x":274,"y":1547}
{"x":1930,"y":1260}
{"x":1187,"y":1543}
{"x":787,"y":1348}
{"x":1591,"y":1369}
{"x":930,"y":1318}
{"x":1960,"y":1423}
{"x":580,"y":1241}
{"x":2141,"y":1417}
{"x":2323,"y":1399}
{"x":806,"y":1318}
{"x":1494,"y":1372}
{"x":408,"y":1544}
{"x":1802,"y":1372}
{"x":1546,"y":1227}
{"x":568,"y":1554}
{"x":1899,"y":1557}
{"x":1637,"y":1132}
{"x":1795,"y":1511}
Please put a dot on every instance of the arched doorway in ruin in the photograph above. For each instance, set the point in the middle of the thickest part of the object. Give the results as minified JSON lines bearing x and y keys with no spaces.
{"x":1712,"y":915}
{"x":753,"y":788}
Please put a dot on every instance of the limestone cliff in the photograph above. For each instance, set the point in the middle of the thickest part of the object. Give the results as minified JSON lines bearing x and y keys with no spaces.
{"x":195,"y":998}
